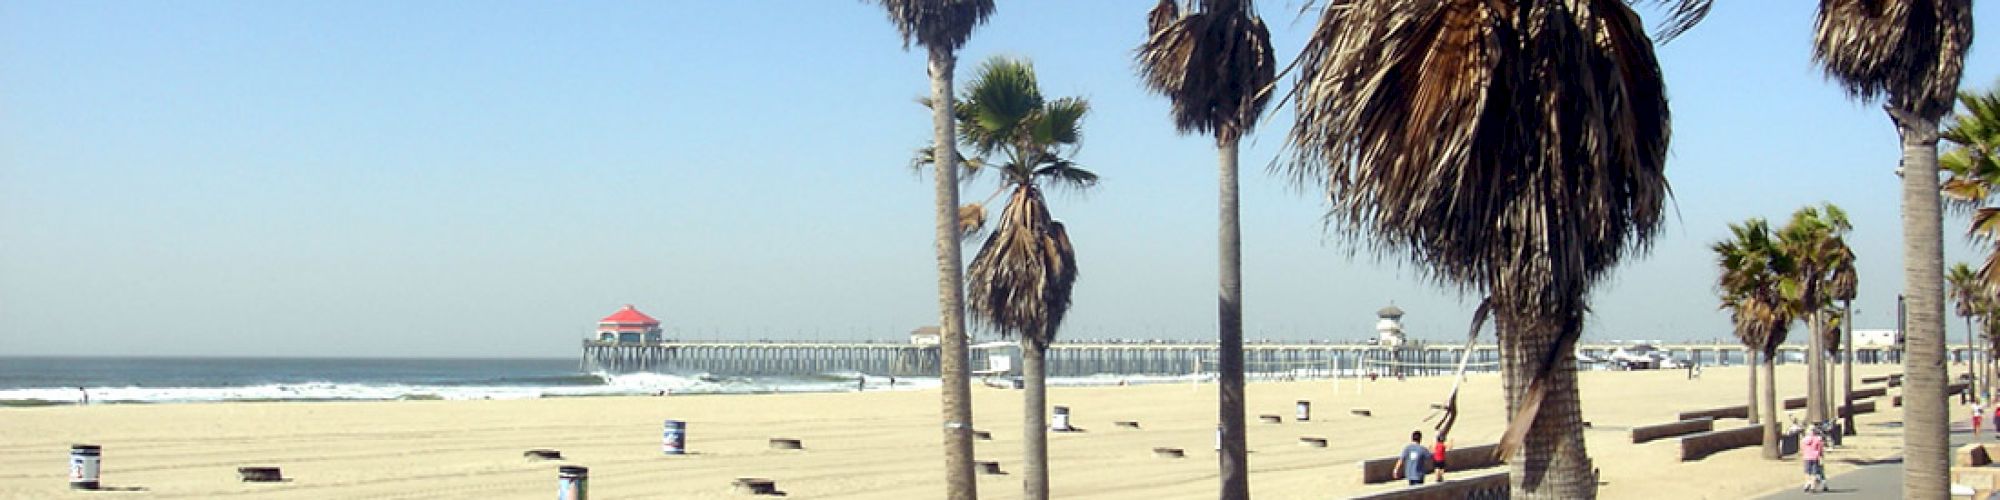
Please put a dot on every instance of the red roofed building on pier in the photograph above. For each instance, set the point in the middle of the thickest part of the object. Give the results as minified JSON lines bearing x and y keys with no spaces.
{"x":629,"y":326}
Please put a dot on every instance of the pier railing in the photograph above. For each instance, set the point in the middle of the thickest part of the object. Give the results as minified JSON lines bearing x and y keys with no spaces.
{"x":1078,"y":359}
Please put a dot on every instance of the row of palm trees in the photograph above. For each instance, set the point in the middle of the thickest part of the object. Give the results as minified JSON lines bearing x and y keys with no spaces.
{"x":1515,"y":150}
{"x":1771,"y":278}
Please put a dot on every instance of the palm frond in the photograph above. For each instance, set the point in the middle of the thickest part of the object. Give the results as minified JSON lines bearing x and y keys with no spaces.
{"x":1683,"y":15}
{"x":1912,"y":51}
{"x":945,"y":24}
{"x":971,"y":220}
{"x":1060,"y":122}
{"x":997,"y":105}
{"x":1022,"y":278}
{"x":1062,"y":173}
{"x":1215,"y":64}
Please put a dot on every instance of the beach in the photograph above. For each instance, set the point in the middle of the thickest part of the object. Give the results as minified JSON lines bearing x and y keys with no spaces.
{"x":875,"y":444}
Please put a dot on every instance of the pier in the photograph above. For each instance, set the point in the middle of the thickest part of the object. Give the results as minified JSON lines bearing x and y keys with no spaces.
{"x":1080,"y":359}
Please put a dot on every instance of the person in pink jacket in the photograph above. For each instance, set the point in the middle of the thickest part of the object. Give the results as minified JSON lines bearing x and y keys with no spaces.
{"x":1811,"y":449}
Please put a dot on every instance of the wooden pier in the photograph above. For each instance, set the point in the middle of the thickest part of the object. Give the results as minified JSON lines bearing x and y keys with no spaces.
{"x":1078,"y":359}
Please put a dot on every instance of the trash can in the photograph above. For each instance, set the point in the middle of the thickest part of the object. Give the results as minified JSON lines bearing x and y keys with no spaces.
{"x":1788,"y":443}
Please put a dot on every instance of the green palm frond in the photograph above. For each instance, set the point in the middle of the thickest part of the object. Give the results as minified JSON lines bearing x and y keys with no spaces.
{"x":1060,"y":122}
{"x":997,"y":106}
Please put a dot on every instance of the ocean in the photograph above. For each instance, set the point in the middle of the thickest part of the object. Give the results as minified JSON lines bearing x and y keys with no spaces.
{"x":41,"y":381}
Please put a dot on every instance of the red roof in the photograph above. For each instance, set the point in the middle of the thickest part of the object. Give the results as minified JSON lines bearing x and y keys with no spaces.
{"x":629,"y":315}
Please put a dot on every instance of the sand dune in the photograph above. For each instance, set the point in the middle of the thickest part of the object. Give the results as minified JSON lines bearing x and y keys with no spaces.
{"x":860,"y":445}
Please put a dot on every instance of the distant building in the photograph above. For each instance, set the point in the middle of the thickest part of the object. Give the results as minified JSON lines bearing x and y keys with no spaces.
{"x":1864,"y":339}
{"x":927,"y":335}
{"x":1389,"y":328}
{"x":629,"y":326}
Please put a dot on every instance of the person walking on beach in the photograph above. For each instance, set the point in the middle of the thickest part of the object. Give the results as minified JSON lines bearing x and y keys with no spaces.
{"x":1414,"y":462}
{"x":86,"y":394}
{"x":1437,"y":457}
{"x":1811,"y":449}
{"x":1978,"y":412}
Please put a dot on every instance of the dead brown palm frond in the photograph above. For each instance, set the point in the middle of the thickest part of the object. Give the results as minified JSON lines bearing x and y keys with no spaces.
{"x":1022,"y":277}
{"x":1214,"y":64}
{"x":1912,"y":51}
{"x":971,"y":220}
{"x":945,"y":24}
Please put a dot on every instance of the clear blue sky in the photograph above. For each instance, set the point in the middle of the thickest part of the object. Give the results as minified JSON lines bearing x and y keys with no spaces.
{"x":443,"y":179}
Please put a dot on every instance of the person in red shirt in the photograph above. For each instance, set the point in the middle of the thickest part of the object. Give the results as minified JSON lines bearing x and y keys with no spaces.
{"x":1437,"y":457}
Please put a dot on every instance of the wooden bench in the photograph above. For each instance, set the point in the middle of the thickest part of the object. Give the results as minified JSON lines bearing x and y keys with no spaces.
{"x":1971,"y":455}
{"x":1738,"y":411}
{"x":1488,"y":486}
{"x":1646,"y":433}
{"x":1870,"y":392}
{"x":1875,"y":379}
{"x":1382,"y":470}
{"x":1702,"y":444}
{"x":1860,"y":408}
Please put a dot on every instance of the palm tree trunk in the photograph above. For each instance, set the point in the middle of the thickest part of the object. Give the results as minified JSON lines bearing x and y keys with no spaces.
{"x":1847,"y":365}
{"x":1815,"y":370}
{"x":957,"y":386}
{"x":1750,"y":361}
{"x":1034,"y":422}
{"x":1235,"y":453}
{"x":1551,"y":462}
{"x":1925,"y":430}
{"x":1771,"y":406}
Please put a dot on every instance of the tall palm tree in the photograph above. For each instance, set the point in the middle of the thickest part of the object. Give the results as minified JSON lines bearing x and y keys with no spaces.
{"x":1216,"y":66}
{"x":1972,"y":294}
{"x":1517,"y":149}
{"x":1022,"y":277}
{"x":1846,"y":283}
{"x":1973,"y":164}
{"x":1753,"y":269}
{"x":1911,"y":53}
{"x":942,"y":27}
{"x":1813,"y":240}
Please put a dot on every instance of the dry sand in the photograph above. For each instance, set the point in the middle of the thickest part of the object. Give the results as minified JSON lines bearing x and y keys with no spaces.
{"x":864,"y":445}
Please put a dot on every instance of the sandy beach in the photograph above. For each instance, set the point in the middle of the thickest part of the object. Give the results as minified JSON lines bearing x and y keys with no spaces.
{"x":864,"y":445}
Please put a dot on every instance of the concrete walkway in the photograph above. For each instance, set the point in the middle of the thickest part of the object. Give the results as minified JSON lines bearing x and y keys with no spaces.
{"x":1883,"y":480}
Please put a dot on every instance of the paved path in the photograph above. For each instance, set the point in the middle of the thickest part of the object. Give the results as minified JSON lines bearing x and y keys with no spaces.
{"x":1883,"y":480}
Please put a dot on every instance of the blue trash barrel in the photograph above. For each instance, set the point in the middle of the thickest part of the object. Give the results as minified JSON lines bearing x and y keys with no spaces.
{"x":572,"y":482}
{"x":673,"y":441}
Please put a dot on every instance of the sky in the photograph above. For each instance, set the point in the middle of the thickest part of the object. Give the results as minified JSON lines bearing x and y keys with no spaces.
{"x":440,"y":179}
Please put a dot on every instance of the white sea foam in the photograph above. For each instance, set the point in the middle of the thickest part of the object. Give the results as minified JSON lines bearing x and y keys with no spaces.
{"x":629,"y":384}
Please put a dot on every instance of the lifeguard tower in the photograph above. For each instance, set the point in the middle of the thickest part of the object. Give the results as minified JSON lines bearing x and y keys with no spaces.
{"x":629,"y":326}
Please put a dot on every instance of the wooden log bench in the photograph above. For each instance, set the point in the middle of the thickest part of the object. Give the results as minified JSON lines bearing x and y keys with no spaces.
{"x":1382,"y":470}
{"x":1488,"y":486}
{"x":988,"y":468}
{"x":1870,"y":392}
{"x":1702,"y":444}
{"x":755,"y":486}
{"x":787,"y":444}
{"x":260,"y":474}
{"x":1646,"y":433}
{"x":542,"y":455}
{"x":1860,"y":408}
{"x":1738,"y":411}
{"x":1312,"y":442}
{"x":1129,"y":424}
{"x":1971,"y":455}
{"x":982,"y":435}
{"x":1271,"y":419}
{"x":1795,"y":403}
{"x":1164,"y":452}
{"x":1362,"y":412}
{"x":1875,"y":379}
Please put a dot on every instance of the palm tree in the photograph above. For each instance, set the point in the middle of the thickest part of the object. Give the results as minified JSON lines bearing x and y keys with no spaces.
{"x":1813,"y":240}
{"x":1216,"y":66}
{"x":1973,"y":162}
{"x":1517,"y":149}
{"x":1022,"y":277}
{"x":1846,"y":283}
{"x":1752,"y":271}
{"x":1911,"y":53}
{"x":942,"y":27}
{"x":1972,"y":293}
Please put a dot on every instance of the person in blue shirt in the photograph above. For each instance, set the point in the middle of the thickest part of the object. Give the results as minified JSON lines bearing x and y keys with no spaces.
{"x":1415,"y":461}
